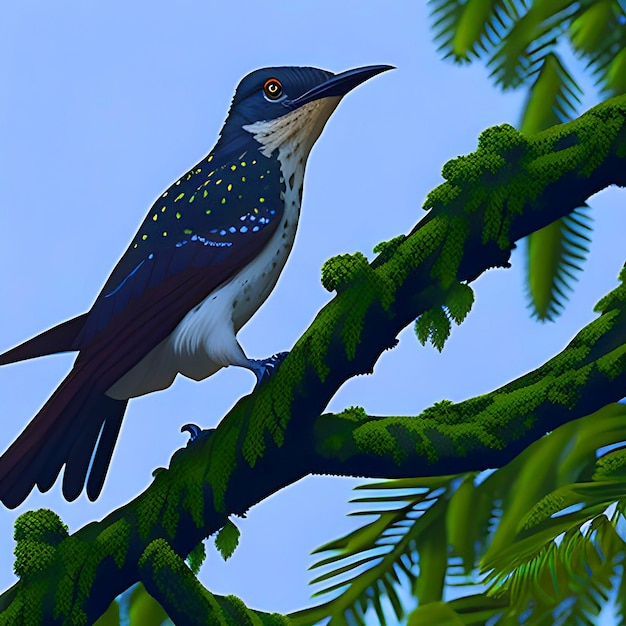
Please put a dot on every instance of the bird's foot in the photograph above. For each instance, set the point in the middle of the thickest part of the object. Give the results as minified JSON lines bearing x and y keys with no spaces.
{"x":264,"y":368}
{"x":195,"y":432}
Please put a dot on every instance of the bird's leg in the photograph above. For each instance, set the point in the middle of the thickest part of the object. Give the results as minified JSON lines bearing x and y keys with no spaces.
{"x":264,"y":368}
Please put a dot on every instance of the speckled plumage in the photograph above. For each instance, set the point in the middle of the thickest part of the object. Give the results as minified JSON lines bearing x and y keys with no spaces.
{"x":205,"y":258}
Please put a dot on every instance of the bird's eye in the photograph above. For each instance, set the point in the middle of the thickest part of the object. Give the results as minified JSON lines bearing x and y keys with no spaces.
{"x":273,"y":89}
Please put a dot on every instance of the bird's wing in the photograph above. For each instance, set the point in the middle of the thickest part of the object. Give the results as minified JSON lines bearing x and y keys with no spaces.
{"x":126,"y":323}
{"x":206,"y":228}
{"x":122,"y":327}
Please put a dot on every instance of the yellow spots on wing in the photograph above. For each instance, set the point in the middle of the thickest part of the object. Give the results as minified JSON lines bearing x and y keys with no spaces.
{"x":165,"y":194}
{"x":262,"y":176}
{"x":206,"y":183}
{"x":261,"y":199}
{"x":205,"y":194}
{"x":181,"y":195}
{"x":188,"y":177}
{"x":243,"y":164}
{"x":255,"y":210}
{"x":267,"y":172}
{"x":144,"y":237}
{"x":155,"y":217}
{"x":178,"y":215}
{"x":243,"y":179}
{"x":254,"y":162}
{"x":229,"y":187}
{"x":178,"y":182}
{"x":223,"y":200}
{"x":192,"y":198}
{"x":208,"y":211}
{"x":164,"y":233}
{"x":187,"y":231}
{"x":239,"y":196}
{"x":210,"y":158}
{"x":233,"y":167}
{"x":135,"y":245}
{"x":163,"y":209}
{"x":197,"y":171}
{"x":211,"y":173}
{"x":217,"y":182}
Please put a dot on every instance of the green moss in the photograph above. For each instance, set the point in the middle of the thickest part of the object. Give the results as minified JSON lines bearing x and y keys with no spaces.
{"x":613,"y":364}
{"x":339,"y":271}
{"x":193,"y":499}
{"x":40,"y":525}
{"x":32,"y":557}
{"x":611,"y":466}
{"x":354,"y":414}
{"x":385,"y":249}
{"x":448,"y":261}
{"x":615,"y":298}
{"x":223,"y":463}
{"x":149,"y":509}
{"x":113,"y":541}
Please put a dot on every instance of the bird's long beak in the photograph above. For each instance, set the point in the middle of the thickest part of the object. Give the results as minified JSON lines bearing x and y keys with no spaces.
{"x":339,"y":85}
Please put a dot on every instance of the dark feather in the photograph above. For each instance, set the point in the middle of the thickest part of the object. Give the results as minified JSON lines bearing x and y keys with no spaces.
{"x":60,"y":338}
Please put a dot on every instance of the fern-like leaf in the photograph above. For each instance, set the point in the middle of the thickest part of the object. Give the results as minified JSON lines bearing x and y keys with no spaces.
{"x":598,"y":34}
{"x":554,"y":258}
{"x":467,"y":29}
{"x":527,"y":44}
{"x":371,"y":562}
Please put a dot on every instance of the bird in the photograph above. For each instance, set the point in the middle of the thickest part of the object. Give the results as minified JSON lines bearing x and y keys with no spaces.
{"x":203,"y":261}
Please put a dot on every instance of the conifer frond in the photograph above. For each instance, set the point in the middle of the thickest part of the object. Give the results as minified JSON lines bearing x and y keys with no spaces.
{"x":568,"y":579}
{"x":529,"y":41}
{"x":408,"y":532}
{"x":598,"y":34}
{"x":555,"y":257}
{"x":467,"y":29}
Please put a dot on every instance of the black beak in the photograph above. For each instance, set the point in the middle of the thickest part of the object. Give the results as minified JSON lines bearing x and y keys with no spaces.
{"x":339,"y":85}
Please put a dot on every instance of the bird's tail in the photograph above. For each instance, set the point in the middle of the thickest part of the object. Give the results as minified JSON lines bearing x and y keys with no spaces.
{"x":78,"y":428}
{"x":60,"y":338}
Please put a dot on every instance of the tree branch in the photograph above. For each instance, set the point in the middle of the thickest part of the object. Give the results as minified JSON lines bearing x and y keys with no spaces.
{"x":511,"y":186}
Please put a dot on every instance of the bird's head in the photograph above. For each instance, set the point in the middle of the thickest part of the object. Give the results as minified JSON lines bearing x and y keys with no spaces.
{"x":285,"y":108}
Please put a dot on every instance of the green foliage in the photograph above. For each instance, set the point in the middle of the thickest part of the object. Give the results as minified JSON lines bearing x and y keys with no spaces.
{"x":459,"y":301}
{"x":520,"y":43}
{"x":227,"y":540}
{"x":434,"y":326}
{"x":143,"y":609}
{"x":554,"y":257}
{"x":371,"y":562}
{"x":465,"y":30}
{"x":521,"y":525}
{"x":196,"y":558}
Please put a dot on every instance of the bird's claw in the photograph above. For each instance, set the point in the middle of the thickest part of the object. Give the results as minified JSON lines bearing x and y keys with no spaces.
{"x":195,"y":431}
{"x":264,"y":368}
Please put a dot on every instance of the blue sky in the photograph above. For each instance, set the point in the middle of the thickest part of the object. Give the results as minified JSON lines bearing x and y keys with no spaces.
{"x":104,"y":104}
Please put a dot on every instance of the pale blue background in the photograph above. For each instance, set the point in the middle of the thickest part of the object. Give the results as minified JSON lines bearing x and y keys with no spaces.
{"x":105,"y":103}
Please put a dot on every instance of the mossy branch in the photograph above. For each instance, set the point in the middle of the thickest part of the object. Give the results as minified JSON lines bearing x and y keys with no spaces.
{"x":511,"y":186}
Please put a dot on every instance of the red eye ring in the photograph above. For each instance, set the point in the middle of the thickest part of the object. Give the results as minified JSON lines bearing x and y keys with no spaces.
{"x":273,"y":89}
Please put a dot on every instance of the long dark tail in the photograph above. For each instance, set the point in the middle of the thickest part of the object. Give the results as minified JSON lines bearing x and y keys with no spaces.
{"x":78,"y":428}
{"x":60,"y":338}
